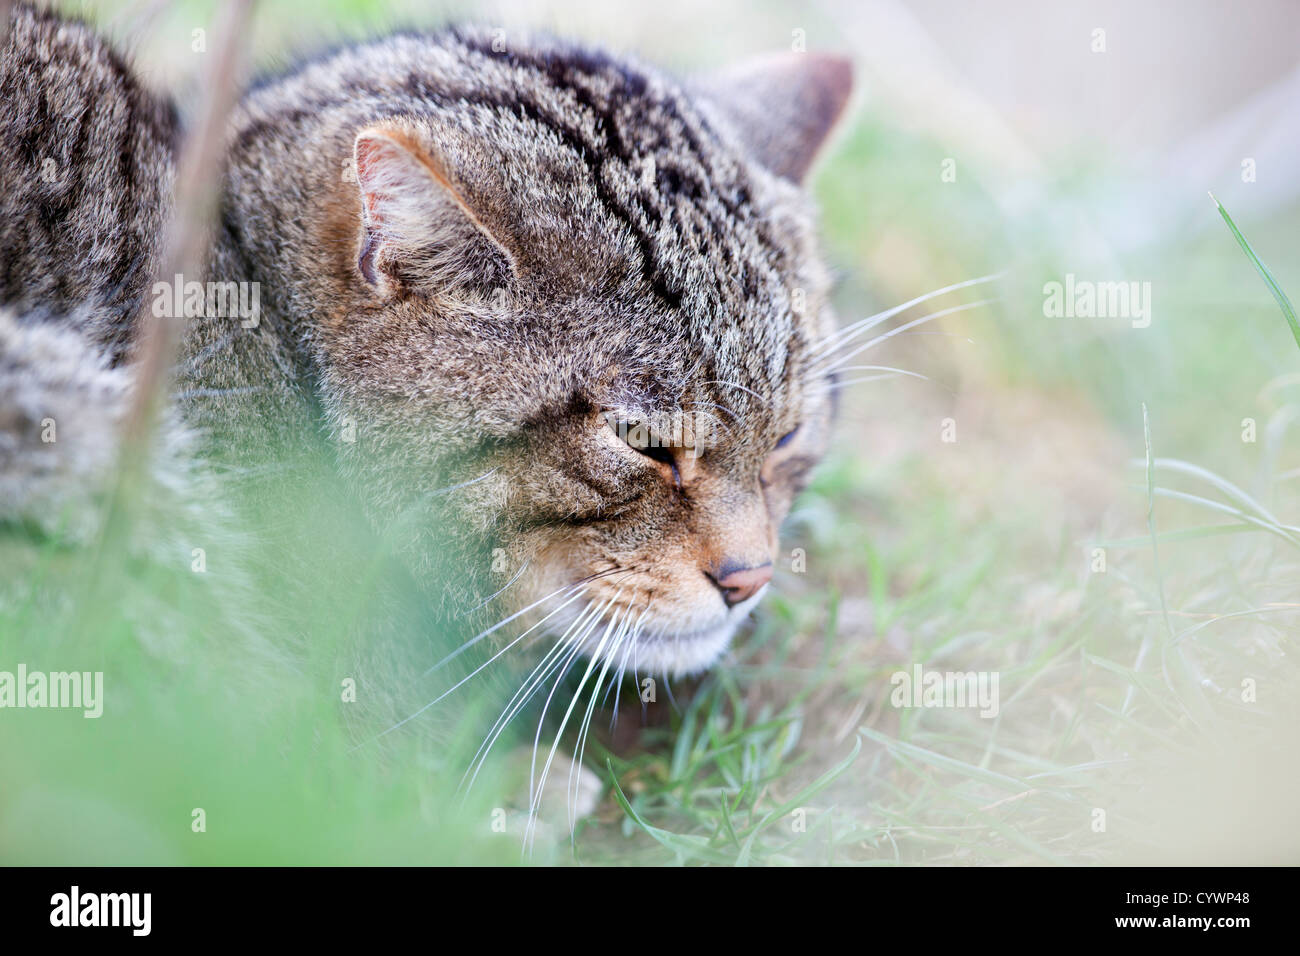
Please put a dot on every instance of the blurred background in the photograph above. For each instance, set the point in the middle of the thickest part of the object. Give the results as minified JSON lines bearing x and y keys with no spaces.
{"x":997,"y":515}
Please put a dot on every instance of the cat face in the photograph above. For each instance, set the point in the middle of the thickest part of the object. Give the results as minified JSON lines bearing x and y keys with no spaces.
{"x":581,"y":312}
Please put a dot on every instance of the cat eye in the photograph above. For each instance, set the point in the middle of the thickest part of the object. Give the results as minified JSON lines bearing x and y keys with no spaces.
{"x":764,"y":477}
{"x":638,"y":436}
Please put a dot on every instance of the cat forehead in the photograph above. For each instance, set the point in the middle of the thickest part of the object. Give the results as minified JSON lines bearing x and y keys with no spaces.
{"x":605,"y":168}
{"x":600,"y":175}
{"x":627,"y":197}
{"x":635,"y":353}
{"x":608,"y":184}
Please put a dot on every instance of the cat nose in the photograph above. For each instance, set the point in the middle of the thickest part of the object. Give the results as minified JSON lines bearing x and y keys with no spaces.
{"x":739,"y":584}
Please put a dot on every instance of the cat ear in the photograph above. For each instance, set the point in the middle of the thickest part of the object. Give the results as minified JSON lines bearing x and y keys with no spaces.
{"x":417,"y":226}
{"x":784,"y":106}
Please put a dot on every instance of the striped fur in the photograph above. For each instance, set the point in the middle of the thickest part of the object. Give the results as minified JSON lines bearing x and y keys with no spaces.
{"x":474,"y":253}
{"x":86,"y":170}
{"x":85,"y":177}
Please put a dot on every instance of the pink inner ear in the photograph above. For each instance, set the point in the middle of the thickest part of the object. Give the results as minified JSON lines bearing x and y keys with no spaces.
{"x":366,"y":258}
{"x":370,"y":200}
{"x":410,"y":212}
{"x":370,"y":160}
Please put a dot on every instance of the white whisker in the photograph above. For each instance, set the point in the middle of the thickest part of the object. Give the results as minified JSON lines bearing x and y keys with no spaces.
{"x":575,"y":765}
{"x":882,"y":368}
{"x":569,"y":641}
{"x":472,"y":673}
{"x":743,"y":388}
{"x":636,"y":632}
{"x":836,"y":386}
{"x":841,"y":337}
{"x":504,"y":621}
{"x":463,"y":484}
{"x":492,"y":597}
{"x":530,"y":829}
{"x":823,"y":368}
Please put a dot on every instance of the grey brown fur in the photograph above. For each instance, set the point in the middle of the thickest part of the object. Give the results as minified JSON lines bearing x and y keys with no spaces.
{"x":85,"y":181}
{"x":472,"y":249}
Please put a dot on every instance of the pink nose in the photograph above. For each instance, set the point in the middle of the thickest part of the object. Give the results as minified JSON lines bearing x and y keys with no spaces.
{"x":741,"y":584}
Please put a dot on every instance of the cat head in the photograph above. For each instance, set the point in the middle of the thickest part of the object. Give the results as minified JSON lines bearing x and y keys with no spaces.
{"x":579,"y":311}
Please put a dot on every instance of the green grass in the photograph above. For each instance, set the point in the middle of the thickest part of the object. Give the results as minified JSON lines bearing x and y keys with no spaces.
{"x":1288,"y":310}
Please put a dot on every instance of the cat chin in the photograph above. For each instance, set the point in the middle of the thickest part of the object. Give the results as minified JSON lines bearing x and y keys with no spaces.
{"x":681,"y":655}
{"x":686,"y":653}
{"x":663,"y":647}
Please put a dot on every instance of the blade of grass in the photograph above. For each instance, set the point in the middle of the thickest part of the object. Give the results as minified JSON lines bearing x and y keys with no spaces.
{"x":1283,"y":302}
{"x":681,"y":845}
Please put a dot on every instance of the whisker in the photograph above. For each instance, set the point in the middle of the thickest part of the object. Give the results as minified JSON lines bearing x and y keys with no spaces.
{"x":822,"y":367}
{"x":739,"y":386}
{"x":636,"y":631}
{"x":493,"y":629}
{"x":720,"y":407}
{"x":569,"y":642}
{"x":492,"y":597}
{"x":464,"y":484}
{"x":564,"y":721}
{"x":585,"y":729}
{"x":837,"y":385}
{"x":882,"y":368}
{"x":622,"y":667}
{"x":575,"y":591}
{"x":502,"y":623}
{"x":471,"y":675}
{"x":715,"y":419}
{"x":636,"y":679}
{"x":668,"y":688}
{"x":841,"y":337}
{"x":534,"y":790}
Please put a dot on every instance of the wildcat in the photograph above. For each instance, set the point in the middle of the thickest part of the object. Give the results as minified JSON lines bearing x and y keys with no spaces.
{"x":556,"y":314}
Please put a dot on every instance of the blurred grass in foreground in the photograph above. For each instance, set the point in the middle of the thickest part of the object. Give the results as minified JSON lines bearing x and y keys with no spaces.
{"x":224,"y":690}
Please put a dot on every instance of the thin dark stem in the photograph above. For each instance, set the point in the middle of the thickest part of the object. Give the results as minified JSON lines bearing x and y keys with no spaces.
{"x":187,"y":235}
